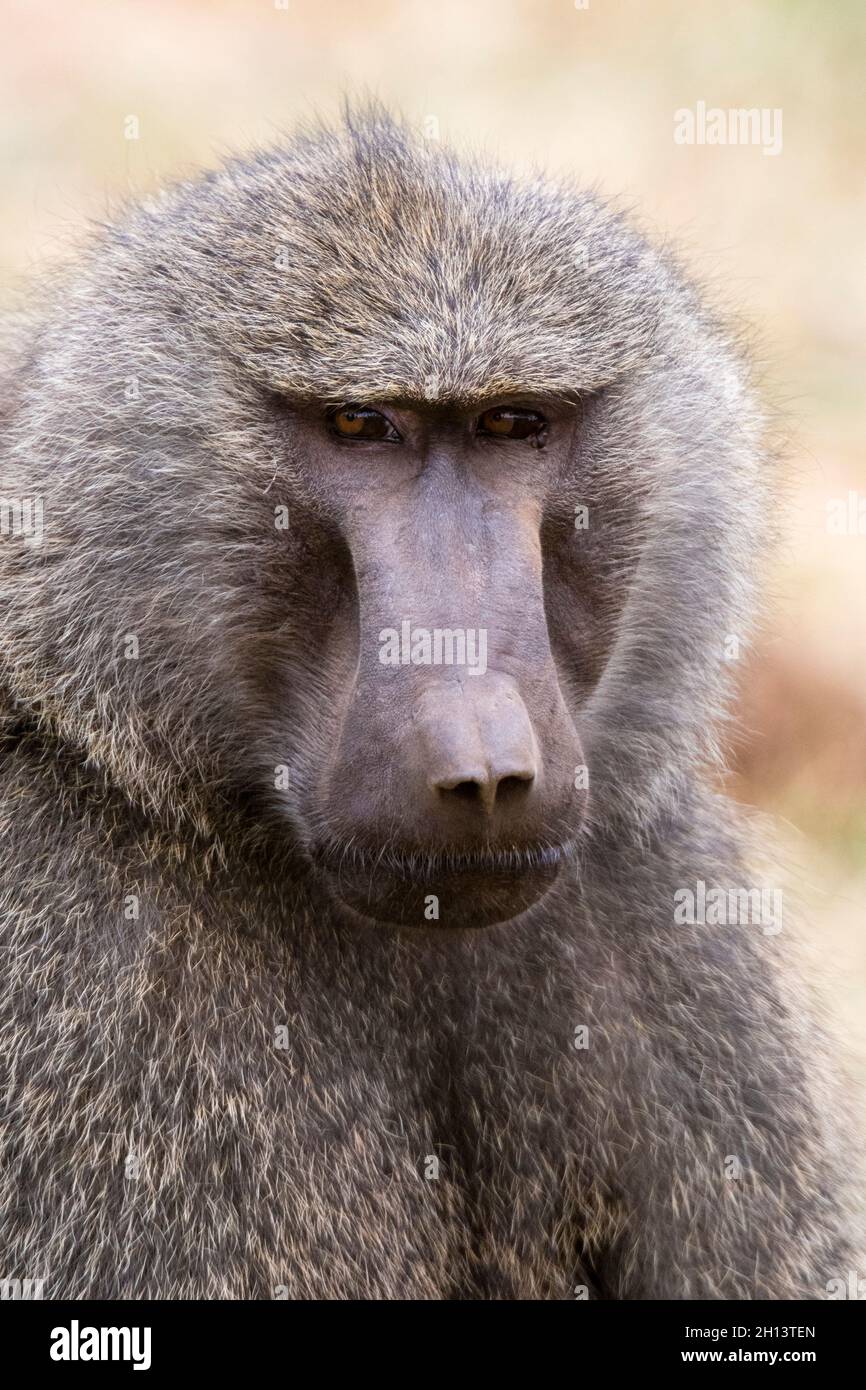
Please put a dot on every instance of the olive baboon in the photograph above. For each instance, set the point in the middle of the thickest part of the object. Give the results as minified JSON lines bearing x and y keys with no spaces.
{"x":359,"y":687}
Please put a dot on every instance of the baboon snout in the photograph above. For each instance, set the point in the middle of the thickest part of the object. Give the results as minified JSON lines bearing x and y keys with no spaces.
{"x":439,"y":758}
{"x":453,"y":776}
{"x":476,"y":745}
{"x":452,"y":790}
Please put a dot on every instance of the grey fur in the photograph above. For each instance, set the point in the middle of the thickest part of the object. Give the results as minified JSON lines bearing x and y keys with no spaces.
{"x":359,"y":264}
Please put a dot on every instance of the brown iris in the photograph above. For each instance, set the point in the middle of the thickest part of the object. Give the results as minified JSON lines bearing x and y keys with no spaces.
{"x":360,"y":422}
{"x":507,"y":423}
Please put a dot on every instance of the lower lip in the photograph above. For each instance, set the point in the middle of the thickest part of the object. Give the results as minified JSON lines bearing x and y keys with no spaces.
{"x":461,"y":896}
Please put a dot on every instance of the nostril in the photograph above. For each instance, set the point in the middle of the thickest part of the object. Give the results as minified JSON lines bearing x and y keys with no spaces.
{"x":488,"y":790}
{"x":516,"y":784}
{"x":466,"y":791}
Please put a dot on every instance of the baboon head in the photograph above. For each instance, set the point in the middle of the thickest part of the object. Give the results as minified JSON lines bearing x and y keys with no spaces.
{"x":388,"y":498}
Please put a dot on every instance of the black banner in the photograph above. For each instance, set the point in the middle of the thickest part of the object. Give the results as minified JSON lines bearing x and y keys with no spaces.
{"x":164,"y":1339}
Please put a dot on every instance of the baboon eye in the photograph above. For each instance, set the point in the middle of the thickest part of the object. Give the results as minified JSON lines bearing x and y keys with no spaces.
{"x":506,"y":423}
{"x":360,"y":422}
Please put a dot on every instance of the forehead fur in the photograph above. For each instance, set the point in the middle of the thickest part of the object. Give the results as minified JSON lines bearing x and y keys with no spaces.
{"x":363,"y":261}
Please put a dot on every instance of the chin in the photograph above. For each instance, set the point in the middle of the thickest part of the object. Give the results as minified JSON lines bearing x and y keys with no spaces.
{"x":436,"y":891}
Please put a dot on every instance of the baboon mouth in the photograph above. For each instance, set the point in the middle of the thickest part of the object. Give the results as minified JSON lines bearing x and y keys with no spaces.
{"x":413,"y":861}
{"x":442,"y":887}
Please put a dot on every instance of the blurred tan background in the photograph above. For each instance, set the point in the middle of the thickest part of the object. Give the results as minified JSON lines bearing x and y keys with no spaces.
{"x":591,"y":91}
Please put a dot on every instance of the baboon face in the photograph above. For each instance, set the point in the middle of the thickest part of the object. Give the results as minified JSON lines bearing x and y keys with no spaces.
{"x":451,"y":763}
{"x":418,"y":643}
{"x":337,"y":411}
